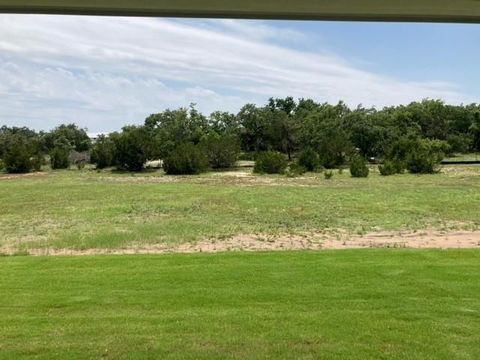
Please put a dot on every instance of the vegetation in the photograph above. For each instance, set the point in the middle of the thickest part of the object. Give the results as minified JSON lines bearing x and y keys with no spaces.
{"x":91,"y":209}
{"x":359,"y":166}
{"x":309,"y":160}
{"x":69,"y":134}
{"x":203,"y":306}
{"x":270,"y":162}
{"x":294,"y":169}
{"x":60,"y":154}
{"x":328,"y":174}
{"x":293,"y":305}
{"x":103,"y":152}
{"x":186,"y":159}
{"x":132,"y":148}
{"x":18,"y":156}
{"x":222,"y":151}
{"x":419,"y":156}
{"x":390,"y":167}
{"x":317,"y":134}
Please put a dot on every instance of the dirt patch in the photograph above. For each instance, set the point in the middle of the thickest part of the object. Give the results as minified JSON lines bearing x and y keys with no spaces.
{"x":414,"y":240}
{"x":18,"y":176}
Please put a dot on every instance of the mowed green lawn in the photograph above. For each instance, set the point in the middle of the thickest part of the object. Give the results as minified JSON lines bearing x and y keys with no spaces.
{"x":351,"y":304}
{"x":88,"y":209}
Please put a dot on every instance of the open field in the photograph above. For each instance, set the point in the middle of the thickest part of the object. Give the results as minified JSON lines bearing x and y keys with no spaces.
{"x":352,"y":304}
{"x":355,"y":304}
{"x":81,"y":210}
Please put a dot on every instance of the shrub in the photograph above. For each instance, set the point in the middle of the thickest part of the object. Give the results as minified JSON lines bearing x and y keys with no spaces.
{"x":425,"y":156}
{"x":419,"y":156}
{"x":18,"y":159}
{"x":309,"y":160}
{"x":18,"y":153}
{"x":459,"y":143}
{"x":270,"y":162}
{"x":389,"y":167}
{"x":133,"y":146}
{"x":103,"y":152}
{"x":328,"y":174}
{"x":358,"y":166}
{"x":295,"y":170}
{"x":186,"y":159}
{"x":80,"y":164}
{"x":60,"y":157}
{"x":221,"y":151}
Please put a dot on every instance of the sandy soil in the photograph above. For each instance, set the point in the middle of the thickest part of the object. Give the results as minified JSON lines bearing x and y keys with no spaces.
{"x":16,"y":176}
{"x":415,"y":240}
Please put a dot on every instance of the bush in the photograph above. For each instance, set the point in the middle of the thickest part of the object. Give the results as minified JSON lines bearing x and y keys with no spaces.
{"x":295,"y":170}
{"x":18,"y":153}
{"x":81,"y":164}
{"x":459,"y":143}
{"x":186,"y":159}
{"x":17,"y":159}
{"x":103,"y":152}
{"x":270,"y":162}
{"x":328,"y":174}
{"x":390,"y":167}
{"x":60,"y":157}
{"x":425,"y":156}
{"x":419,"y":156}
{"x":309,"y":160}
{"x":358,"y":166}
{"x":222,"y":151}
{"x":133,"y":146}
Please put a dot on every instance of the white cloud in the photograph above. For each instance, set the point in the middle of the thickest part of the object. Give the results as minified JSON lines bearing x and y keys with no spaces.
{"x":105,"y":72}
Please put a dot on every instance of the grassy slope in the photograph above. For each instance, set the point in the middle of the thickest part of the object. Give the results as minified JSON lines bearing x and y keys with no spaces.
{"x":86,"y":209}
{"x":390,"y":304}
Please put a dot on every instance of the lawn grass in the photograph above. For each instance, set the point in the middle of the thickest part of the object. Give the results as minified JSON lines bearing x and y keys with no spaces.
{"x":352,"y":304}
{"x":88,"y":209}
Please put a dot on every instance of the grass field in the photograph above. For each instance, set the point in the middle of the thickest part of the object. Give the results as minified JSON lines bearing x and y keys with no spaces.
{"x":352,"y":304}
{"x":88,"y":209}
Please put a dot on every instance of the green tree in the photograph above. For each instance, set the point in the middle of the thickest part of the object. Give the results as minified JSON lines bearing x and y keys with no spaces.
{"x":77,"y":138}
{"x":323,"y":130}
{"x":173,"y":127}
{"x":474,"y":129}
{"x":221,"y":151}
{"x":186,"y":159}
{"x":254,"y":128}
{"x":133,"y":147}
{"x":103,"y":152}
{"x":60,"y":154}
{"x":17,"y":157}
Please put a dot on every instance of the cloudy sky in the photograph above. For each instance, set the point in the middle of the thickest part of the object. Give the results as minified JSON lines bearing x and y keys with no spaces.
{"x":102,"y":73}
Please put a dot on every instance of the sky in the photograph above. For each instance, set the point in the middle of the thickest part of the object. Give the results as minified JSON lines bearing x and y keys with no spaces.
{"x":103,"y":73}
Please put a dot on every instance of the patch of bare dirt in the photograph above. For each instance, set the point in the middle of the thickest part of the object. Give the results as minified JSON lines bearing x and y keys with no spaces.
{"x":414,"y":240}
{"x":17,"y":176}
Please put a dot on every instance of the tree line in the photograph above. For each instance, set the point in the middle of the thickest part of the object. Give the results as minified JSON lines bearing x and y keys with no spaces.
{"x":412,"y":137}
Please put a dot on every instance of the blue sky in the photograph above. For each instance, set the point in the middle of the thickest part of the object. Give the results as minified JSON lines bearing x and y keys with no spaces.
{"x":103,"y":73}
